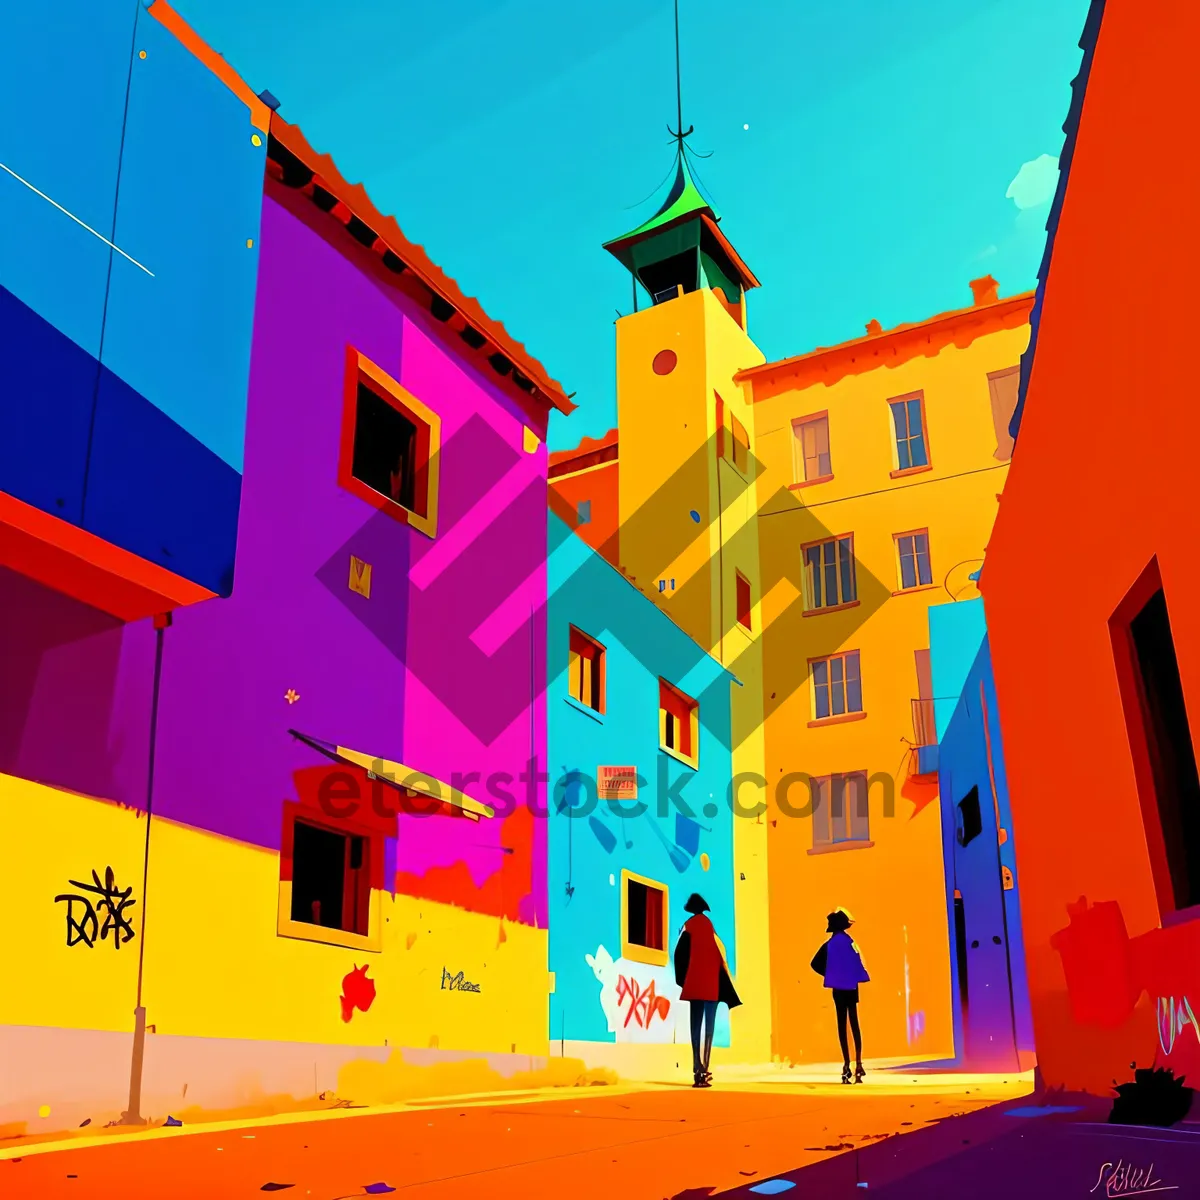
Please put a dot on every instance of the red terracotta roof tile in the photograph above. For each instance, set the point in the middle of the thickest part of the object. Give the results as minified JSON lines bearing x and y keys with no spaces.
{"x":354,"y":197}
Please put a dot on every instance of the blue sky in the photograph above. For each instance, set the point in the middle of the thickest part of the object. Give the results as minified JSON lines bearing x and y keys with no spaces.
{"x":866,"y":155}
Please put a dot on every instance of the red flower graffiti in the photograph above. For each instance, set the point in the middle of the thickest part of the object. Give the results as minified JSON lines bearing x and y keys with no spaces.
{"x":643,"y":1004}
{"x":357,"y":992}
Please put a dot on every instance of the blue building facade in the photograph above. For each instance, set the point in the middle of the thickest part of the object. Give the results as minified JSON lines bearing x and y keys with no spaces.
{"x":639,"y":739}
{"x":131,"y":183}
{"x":993,"y":1026}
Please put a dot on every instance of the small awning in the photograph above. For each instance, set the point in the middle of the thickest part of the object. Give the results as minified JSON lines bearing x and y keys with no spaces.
{"x":406,"y":780}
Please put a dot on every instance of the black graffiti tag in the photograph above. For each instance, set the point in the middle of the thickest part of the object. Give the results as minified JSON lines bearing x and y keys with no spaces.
{"x":100,"y":917}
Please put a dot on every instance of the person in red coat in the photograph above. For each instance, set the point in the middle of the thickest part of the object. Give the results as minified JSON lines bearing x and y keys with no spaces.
{"x":704,"y":981}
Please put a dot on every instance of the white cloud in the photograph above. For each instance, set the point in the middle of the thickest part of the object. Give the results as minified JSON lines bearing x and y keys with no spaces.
{"x":1035,"y":182}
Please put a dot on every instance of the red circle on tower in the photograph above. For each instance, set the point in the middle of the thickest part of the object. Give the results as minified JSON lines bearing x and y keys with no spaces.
{"x":664,"y":362}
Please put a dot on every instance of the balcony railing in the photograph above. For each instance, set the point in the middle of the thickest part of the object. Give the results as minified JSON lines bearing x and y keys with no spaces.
{"x":923,"y":763}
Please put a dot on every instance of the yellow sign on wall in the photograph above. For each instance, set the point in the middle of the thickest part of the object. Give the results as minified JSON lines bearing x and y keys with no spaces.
{"x":360,"y":577}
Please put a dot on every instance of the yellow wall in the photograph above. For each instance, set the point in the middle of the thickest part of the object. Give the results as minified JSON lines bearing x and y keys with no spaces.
{"x":215,"y":966}
{"x":669,"y":468}
{"x":895,"y":888}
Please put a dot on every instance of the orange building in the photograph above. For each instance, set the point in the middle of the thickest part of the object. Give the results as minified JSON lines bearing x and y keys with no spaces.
{"x":584,"y":492}
{"x":1092,"y":574}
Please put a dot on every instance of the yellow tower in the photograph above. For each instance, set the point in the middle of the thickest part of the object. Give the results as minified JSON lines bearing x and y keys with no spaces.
{"x":687,"y":510}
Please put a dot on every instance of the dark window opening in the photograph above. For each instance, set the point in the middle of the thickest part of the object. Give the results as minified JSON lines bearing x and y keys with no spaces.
{"x":960,"y":952}
{"x":330,"y":885}
{"x":385,"y":449}
{"x":644,"y":915}
{"x":677,"y":715}
{"x":971,"y":819}
{"x":1169,"y":741}
{"x":744,"y":601}
{"x":663,"y":277}
{"x":586,"y":670}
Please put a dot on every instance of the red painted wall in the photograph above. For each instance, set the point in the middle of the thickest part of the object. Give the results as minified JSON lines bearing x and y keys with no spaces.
{"x":1101,"y":486}
{"x":599,"y":485}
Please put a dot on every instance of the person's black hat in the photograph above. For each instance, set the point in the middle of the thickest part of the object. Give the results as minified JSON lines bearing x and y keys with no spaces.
{"x":839,"y":921}
{"x":696,"y":904}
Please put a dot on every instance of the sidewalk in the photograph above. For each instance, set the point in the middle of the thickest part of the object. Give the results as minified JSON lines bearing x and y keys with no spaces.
{"x":650,"y":1141}
{"x":1063,"y":1148}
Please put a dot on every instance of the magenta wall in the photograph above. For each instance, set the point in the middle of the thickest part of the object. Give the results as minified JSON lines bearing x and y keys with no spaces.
{"x":438,"y":669}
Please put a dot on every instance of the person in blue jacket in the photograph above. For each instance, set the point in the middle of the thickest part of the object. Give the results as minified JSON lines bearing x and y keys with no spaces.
{"x":841,"y":965}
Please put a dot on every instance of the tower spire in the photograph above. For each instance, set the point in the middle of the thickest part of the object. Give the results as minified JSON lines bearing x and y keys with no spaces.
{"x":678,"y":133}
{"x":681,"y":248}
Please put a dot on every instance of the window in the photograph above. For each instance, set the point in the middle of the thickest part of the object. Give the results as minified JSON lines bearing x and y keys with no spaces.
{"x":923,"y":712}
{"x":837,"y":686}
{"x":908,"y":422}
{"x":1159,"y":708}
{"x":912,"y":552}
{"x":586,"y":670}
{"x":744,"y":603}
{"x":811,"y":449}
{"x":389,"y":447}
{"x":740,"y":445}
{"x":330,"y":880}
{"x":1003,"y":386}
{"x":840,"y":809}
{"x":970,"y":819}
{"x":583,"y":512}
{"x":829,"y":579}
{"x":643,"y":919}
{"x":733,"y":443}
{"x":677,"y":723}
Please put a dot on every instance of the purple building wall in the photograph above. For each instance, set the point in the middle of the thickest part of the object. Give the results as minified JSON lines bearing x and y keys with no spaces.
{"x":440,"y":669}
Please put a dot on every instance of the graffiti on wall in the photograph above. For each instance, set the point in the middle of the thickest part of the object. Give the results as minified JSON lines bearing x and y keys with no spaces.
{"x":357,"y":992}
{"x":1108,"y":973}
{"x":640,"y":1002}
{"x":96,"y":911}
{"x":1173,"y":1019}
{"x":457,"y":983}
{"x":644,"y":1002}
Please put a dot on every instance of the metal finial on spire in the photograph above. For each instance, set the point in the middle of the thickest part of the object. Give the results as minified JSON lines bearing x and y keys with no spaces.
{"x":678,"y":133}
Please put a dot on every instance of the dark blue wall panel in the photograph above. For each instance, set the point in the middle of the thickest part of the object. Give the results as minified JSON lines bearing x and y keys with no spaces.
{"x":46,"y":387}
{"x":130,"y":201}
{"x":156,"y":490}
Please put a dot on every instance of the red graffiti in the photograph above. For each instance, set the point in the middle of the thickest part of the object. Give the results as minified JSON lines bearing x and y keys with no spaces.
{"x":643,"y":1003}
{"x":357,"y":992}
{"x":1107,"y":971}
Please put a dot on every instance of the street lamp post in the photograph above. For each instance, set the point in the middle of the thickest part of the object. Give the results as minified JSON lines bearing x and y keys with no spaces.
{"x":133,"y":1114}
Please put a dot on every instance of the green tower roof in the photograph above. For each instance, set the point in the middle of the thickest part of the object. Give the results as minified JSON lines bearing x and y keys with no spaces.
{"x":683,"y":203}
{"x":683,"y":200}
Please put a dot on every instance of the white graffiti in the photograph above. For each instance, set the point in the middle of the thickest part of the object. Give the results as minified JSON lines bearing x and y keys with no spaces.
{"x":1173,"y":1019}
{"x":640,"y":1003}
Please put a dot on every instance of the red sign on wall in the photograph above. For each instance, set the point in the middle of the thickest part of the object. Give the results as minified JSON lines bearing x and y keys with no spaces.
{"x":617,"y":783}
